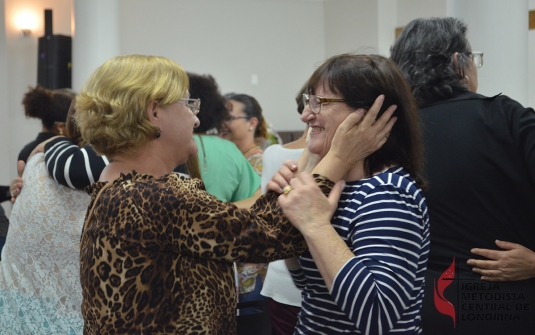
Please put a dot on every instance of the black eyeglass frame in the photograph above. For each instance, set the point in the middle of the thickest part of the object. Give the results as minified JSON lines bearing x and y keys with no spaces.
{"x":234,"y":117}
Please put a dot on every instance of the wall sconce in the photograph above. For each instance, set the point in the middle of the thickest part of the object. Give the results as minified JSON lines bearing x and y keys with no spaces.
{"x":26,"y":22}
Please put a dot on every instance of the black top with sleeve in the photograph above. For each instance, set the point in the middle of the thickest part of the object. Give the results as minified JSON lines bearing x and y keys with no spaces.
{"x":4,"y":193}
{"x":77,"y":167}
{"x":71,"y":165}
{"x":28,"y":148}
{"x":480,"y":166}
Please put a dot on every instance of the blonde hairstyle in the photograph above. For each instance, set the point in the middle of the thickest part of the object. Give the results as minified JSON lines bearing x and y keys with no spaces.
{"x":111,"y":107}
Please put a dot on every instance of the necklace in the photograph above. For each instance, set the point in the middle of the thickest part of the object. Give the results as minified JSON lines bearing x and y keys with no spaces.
{"x":256,"y":147}
{"x":203,"y":155}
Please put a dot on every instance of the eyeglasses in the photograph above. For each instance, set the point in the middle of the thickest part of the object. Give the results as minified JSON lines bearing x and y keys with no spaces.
{"x":477,"y":58}
{"x":234,"y":117}
{"x":315,"y":102}
{"x":193,"y":104}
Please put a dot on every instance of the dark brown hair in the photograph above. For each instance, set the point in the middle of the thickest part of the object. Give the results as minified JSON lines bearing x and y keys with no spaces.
{"x":213,"y":111}
{"x":47,"y":105}
{"x":360,"y":79}
{"x":251,"y":109}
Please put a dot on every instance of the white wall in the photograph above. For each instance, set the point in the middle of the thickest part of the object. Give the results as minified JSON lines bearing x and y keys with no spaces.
{"x":278,"y":41}
{"x":409,"y":10}
{"x":350,"y":26}
{"x":281,"y":41}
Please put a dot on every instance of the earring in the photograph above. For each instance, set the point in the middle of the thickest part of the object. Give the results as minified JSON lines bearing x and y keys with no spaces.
{"x":61,"y":131}
{"x":158,"y":133}
{"x":250,"y":128}
{"x":467,"y":78}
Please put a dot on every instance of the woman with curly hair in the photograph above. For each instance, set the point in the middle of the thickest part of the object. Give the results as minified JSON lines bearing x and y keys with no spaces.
{"x":51,"y":108}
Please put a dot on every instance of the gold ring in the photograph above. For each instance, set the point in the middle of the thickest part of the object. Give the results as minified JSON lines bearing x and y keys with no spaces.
{"x":12,"y":195}
{"x":287,"y":189}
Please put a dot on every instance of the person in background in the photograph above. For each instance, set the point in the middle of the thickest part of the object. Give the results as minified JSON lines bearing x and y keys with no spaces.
{"x":368,"y":242}
{"x":219,"y":160}
{"x":40,"y":289}
{"x":480,"y":166}
{"x":284,"y":298}
{"x":245,"y":126}
{"x":51,"y":108}
{"x":157,"y":249}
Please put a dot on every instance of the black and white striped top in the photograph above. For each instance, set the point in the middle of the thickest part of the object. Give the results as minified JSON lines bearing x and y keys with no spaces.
{"x":384,"y":221}
{"x":71,"y":165}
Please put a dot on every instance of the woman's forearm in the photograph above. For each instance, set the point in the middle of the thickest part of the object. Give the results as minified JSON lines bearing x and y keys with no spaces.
{"x":329,"y":251}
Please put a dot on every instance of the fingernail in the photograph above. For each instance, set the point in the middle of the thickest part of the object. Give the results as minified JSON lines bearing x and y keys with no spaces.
{"x":381,"y":97}
{"x":360,"y":111}
{"x":294,"y":166}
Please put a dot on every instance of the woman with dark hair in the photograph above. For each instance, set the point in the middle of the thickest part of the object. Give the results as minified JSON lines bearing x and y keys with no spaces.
{"x":219,"y":159}
{"x":51,"y":108}
{"x":480,"y":165}
{"x":368,"y":248}
{"x":245,"y":126}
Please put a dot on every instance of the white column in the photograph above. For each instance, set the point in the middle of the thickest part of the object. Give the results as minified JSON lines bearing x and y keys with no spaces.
{"x":499,"y":29}
{"x":96,"y":37}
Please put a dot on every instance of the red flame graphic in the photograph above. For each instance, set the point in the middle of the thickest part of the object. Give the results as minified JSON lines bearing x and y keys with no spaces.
{"x":442,"y":304}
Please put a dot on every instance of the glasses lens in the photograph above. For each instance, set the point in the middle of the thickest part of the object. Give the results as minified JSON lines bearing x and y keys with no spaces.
{"x":196,"y":106}
{"x":314,"y":104}
{"x":477,"y":57}
{"x":305,"y":100}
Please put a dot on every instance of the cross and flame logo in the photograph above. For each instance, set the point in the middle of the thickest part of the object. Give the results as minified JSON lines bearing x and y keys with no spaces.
{"x":441,"y":303}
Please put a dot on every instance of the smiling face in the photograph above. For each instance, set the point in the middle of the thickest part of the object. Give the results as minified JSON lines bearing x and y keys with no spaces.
{"x":238,"y":129}
{"x":324,"y":124}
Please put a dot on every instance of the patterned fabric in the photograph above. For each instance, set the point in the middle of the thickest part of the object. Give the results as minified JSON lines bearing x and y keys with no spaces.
{"x":40,"y":290}
{"x":256,"y":161}
{"x":247,"y":273}
{"x":71,"y":165}
{"x":165,"y":244}
{"x":384,"y":221}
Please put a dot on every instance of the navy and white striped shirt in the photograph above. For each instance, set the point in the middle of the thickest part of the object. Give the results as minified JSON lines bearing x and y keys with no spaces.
{"x":71,"y":165}
{"x":384,"y":221}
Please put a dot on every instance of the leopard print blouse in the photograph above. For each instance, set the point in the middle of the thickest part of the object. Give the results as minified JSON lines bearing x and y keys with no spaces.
{"x":156,"y":255}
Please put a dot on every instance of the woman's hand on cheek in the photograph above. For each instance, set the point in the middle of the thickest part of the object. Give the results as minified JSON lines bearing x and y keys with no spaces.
{"x":282,"y":178}
{"x":306,"y":206}
{"x":357,"y":137}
